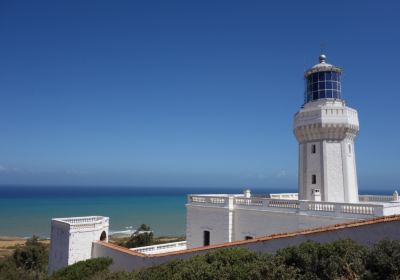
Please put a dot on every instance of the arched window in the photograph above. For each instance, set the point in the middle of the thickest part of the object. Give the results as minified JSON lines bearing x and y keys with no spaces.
{"x":103,"y":236}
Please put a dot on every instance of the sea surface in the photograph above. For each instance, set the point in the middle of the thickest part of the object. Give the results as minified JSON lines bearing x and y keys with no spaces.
{"x":27,"y":210}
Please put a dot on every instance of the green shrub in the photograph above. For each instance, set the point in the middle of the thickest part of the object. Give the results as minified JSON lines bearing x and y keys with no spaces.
{"x":343,"y":259}
{"x":82,"y":270}
{"x":27,"y":262}
{"x":383,"y":261}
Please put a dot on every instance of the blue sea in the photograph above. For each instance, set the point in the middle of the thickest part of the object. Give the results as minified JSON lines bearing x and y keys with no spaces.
{"x":27,"y":210}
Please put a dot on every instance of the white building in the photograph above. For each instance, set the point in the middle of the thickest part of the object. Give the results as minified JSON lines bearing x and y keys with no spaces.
{"x":72,"y":238}
{"x":327,"y":195}
{"x":327,"y":190}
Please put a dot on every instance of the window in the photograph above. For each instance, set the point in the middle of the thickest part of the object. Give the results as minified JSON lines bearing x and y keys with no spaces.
{"x":103,"y":236}
{"x":206,"y":238}
{"x":248,"y":237}
{"x":349,"y":148}
{"x":313,"y":179}
{"x":313,"y":149}
{"x":324,"y":84}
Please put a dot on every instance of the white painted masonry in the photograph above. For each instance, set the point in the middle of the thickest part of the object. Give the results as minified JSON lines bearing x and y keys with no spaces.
{"x":331,"y":126}
{"x":72,"y":238}
{"x":259,"y":216}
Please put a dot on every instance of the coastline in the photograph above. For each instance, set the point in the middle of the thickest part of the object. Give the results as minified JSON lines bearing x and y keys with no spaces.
{"x":9,"y":243}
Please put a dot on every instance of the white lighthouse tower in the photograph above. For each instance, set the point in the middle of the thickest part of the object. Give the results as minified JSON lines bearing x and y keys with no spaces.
{"x":325,"y":129}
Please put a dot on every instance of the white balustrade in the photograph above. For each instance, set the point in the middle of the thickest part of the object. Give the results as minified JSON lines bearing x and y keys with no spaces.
{"x":318,"y":206}
{"x":161,"y":248}
{"x":284,"y":196}
{"x":214,"y":200}
{"x":82,"y":220}
{"x":375,"y":198}
{"x":281,"y":203}
{"x":249,"y":201}
{"x":304,"y":206}
{"x":358,"y":209}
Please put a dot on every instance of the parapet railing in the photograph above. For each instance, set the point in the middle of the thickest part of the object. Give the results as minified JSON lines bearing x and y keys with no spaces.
{"x":206,"y":199}
{"x":81,"y":220}
{"x":375,"y":198}
{"x":154,"y":249}
{"x":324,"y":208}
{"x":83,"y":223}
{"x":284,"y":196}
{"x":342,"y":208}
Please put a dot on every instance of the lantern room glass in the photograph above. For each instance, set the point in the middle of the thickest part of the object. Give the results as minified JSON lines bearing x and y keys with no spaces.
{"x":324,"y":84}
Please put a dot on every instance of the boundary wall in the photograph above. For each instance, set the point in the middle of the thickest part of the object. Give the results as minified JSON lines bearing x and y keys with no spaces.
{"x":367,"y":232}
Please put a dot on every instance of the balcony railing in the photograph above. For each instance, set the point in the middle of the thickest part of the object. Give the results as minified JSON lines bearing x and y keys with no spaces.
{"x":292,"y":205}
{"x":161,"y":248}
{"x":375,"y":198}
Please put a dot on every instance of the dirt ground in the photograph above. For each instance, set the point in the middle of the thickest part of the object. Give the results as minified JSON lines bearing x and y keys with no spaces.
{"x":9,"y":243}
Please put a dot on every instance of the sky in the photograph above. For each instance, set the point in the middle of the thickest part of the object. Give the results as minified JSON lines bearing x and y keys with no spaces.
{"x":187,"y":93}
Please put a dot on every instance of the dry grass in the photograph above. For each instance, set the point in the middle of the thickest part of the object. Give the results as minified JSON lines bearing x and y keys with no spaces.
{"x":9,"y":243}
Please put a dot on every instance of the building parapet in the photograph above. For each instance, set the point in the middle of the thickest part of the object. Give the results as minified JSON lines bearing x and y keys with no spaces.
{"x":305,"y":207}
{"x":284,"y":196}
{"x":376,"y":198}
{"x":83,"y":223}
{"x":161,"y":248}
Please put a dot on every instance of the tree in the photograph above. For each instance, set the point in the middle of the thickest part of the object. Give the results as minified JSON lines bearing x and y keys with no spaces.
{"x":143,"y":236}
{"x":33,"y":256}
{"x":27,"y":262}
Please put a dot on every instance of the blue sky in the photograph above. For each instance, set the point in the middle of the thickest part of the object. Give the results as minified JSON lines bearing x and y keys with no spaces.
{"x":187,"y":93}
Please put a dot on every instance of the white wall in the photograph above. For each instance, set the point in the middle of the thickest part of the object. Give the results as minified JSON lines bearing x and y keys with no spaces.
{"x":366,"y":234}
{"x":261,"y":223}
{"x":334,"y":187}
{"x":217,"y":220}
{"x":59,"y":246}
{"x":72,"y":242}
{"x":332,"y":127}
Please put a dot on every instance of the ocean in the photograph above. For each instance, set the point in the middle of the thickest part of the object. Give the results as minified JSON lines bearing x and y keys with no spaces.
{"x":27,"y":210}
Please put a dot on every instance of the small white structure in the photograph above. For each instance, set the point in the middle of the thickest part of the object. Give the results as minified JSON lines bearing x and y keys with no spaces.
{"x":72,"y":238}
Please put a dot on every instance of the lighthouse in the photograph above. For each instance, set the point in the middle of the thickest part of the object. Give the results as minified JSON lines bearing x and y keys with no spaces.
{"x":325,"y":129}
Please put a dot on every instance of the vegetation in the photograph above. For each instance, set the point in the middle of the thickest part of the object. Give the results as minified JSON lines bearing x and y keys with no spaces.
{"x":83,"y":270}
{"x":343,"y":259}
{"x":27,"y":262}
{"x":143,"y":236}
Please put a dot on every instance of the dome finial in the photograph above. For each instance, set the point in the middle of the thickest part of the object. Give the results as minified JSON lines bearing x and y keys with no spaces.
{"x":322,"y":58}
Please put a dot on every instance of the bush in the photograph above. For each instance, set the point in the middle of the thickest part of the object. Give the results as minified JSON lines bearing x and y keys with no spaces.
{"x":143,"y":236}
{"x":82,"y":270}
{"x":27,"y":262}
{"x":383,"y":261}
{"x":232,"y":264}
{"x":343,"y":259}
